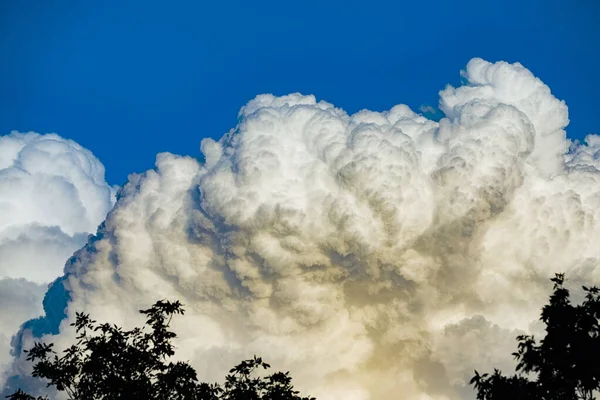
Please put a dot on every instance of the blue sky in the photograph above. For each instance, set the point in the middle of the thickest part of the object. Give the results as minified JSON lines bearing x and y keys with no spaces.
{"x":129,"y":79}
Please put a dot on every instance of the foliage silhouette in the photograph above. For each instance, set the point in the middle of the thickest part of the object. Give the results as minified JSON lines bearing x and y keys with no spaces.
{"x":564,"y":365}
{"x":108,"y":363}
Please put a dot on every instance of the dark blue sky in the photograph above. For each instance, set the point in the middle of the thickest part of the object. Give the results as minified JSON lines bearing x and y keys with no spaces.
{"x":129,"y":79}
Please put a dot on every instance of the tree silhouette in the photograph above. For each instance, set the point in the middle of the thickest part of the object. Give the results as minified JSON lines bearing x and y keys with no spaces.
{"x":564,"y":365}
{"x":108,"y":363}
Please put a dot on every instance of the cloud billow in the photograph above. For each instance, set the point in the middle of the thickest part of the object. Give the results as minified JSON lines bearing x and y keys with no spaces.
{"x":52,"y":195}
{"x":375,"y":255}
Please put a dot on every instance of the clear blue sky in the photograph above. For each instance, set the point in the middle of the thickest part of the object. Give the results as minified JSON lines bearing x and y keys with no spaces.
{"x":129,"y":79}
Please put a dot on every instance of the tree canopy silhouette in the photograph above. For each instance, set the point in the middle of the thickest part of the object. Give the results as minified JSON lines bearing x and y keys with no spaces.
{"x":109,"y":363}
{"x":564,"y":365}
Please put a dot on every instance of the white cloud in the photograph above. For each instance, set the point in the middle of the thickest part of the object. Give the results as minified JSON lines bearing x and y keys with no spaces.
{"x":52,"y":195}
{"x":375,"y":255}
{"x":21,"y":300}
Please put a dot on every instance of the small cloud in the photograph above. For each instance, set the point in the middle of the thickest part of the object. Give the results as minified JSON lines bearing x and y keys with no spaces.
{"x":431,"y":112}
{"x":426,"y":109}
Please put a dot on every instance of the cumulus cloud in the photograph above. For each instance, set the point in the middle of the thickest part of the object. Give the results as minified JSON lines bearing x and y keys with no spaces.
{"x":375,"y":255}
{"x":52,"y":195}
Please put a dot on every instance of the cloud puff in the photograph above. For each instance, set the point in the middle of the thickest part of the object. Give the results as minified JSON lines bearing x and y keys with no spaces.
{"x":375,"y":255}
{"x":52,"y":195}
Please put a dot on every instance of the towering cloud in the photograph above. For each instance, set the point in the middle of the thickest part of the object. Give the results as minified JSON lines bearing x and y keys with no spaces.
{"x":375,"y":255}
{"x":52,"y":195}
